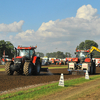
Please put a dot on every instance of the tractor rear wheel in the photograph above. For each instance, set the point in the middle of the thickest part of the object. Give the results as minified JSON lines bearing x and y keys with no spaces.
{"x":91,"y":68}
{"x":28,"y":68}
{"x":37,"y":67}
{"x":8,"y":70}
{"x":94,"y":68}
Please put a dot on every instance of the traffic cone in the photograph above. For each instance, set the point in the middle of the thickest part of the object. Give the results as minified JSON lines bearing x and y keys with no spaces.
{"x":61,"y":81}
{"x":86,"y":75}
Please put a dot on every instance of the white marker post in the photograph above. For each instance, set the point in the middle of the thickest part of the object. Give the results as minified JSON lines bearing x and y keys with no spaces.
{"x":86,"y":75}
{"x":61,"y":81}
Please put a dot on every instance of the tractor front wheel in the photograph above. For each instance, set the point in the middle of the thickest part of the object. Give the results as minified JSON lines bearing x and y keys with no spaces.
{"x":8,"y":70}
{"x":28,"y":68}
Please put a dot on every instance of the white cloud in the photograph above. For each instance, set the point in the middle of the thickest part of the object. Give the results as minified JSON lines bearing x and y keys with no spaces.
{"x":47,"y":25}
{"x":86,"y":12}
{"x":63,"y":34}
{"x":13,"y":27}
{"x":26,"y":35}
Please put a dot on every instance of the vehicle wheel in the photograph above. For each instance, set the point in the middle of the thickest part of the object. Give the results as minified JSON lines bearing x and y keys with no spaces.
{"x":91,"y":68}
{"x":28,"y":68}
{"x":8,"y":70}
{"x":94,"y":68}
{"x":70,"y":72}
{"x":37,"y":67}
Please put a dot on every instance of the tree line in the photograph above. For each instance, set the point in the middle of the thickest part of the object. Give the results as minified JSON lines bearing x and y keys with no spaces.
{"x":7,"y":46}
{"x":57,"y":54}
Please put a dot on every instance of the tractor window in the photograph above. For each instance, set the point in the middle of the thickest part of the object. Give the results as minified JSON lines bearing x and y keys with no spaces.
{"x":82,"y":54}
{"x":32,"y":52}
{"x":23,"y":53}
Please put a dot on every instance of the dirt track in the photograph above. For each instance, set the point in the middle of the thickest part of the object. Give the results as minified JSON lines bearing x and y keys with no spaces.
{"x":10,"y":82}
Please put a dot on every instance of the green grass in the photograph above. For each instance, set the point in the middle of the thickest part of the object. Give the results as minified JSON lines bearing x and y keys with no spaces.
{"x":2,"y":69}
{"x":57,"y":67}
{"x":38,"y":92}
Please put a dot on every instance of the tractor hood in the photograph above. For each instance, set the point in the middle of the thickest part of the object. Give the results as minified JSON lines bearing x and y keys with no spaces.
{"x":75,"y":59}
{"x":20,"y":59}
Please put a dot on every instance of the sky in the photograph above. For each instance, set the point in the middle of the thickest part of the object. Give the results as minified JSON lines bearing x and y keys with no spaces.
{"x":52,"y":25}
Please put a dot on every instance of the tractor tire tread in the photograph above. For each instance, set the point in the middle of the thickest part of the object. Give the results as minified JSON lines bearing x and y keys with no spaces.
{"x":7,"y":68}
{"x":25,"y":68}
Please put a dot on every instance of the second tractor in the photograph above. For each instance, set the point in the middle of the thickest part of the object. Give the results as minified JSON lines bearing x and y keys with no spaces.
{"x":82,"y":62}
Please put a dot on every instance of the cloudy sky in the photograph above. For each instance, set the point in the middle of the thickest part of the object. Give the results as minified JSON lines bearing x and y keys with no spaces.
{"x":52,"y":25}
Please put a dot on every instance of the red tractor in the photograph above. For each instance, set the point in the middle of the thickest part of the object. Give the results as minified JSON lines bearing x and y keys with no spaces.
{"x":25,"y":62}
{"x":82,"y":62}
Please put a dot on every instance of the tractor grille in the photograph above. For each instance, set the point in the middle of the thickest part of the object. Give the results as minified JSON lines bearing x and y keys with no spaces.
{"x":17,"y":60}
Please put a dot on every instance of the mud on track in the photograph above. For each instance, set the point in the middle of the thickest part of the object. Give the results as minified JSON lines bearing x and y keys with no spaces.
{"x":15,"y":81}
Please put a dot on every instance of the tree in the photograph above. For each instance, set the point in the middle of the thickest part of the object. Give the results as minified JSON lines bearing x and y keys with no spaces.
{"x":87,"y":45}
{"x":67,"y":54}
{"x":51,"y":54}
{"x":48,"y":54}
{"x":60,"y":54}
{"x":81,"y":46}
{"x":40,"y":54}
{"x":6,"y":46}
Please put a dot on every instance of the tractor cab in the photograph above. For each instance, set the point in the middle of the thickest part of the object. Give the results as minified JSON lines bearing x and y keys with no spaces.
{"x":27,"y":53}
{"x":82,"y":55}
{"x":23,"y":54}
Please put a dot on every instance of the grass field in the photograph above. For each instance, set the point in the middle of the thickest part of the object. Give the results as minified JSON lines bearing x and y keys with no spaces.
{"x":45,"y":90}
{"x":57,"y":67}
{"x":2,"y":69}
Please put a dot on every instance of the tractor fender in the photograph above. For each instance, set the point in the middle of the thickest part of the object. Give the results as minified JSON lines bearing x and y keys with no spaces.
{"x":34,"y":59}
{"x":3,"y":59}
